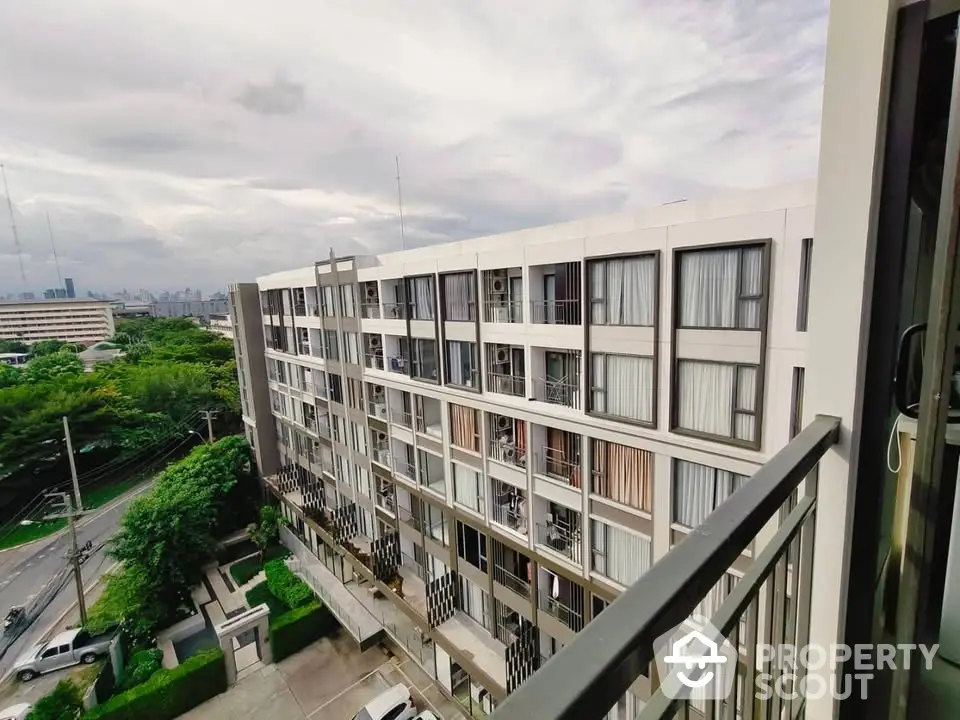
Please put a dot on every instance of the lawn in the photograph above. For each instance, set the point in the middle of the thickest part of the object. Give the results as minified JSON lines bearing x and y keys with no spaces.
{"x":243,"y":571}
{"x":93,"y":498}
{"x":260,"y":594}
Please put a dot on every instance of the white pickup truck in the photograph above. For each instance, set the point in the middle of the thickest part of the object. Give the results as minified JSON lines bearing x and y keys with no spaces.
{"x":68,"y":648}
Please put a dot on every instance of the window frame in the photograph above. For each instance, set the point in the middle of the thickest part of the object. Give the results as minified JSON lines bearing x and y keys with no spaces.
{"x":735,"y":410}
{"x":673,"y":489}
{"x":803,"y":289}
{"x":591,"y":389}
{"x":594,"y":299}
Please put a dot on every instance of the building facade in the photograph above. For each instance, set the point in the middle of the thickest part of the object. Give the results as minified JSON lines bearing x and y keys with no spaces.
{"x":221,"y":324}
{"x":202,"y":309}
{"x":519,"y":426}
{"x":81,"y":320}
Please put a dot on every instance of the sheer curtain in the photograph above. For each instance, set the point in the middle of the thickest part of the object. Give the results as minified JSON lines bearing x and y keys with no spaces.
{"x":628,"y":556}
{"x":455,"y":363}
{"x":623,"y":291}
{"x":623,"y":386}
{"x":623,"y":474}
{"x":751,"y":287}
{"x":708,"y":288}
{"x":706,"y":397}
{"x":698,"y":490}
{"x":745,"y":425}
{"x":467,"y":489}
{"x":422,"y":298}
{"x":458,"y":296}
{"x":349,"y":300}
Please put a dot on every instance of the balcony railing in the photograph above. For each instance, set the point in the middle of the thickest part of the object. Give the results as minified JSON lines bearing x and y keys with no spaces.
{"x":508,"y":453}
{"x":381,"y":455}
{"x":561,"y":539}
{"x":503,"y":515}
{"x":377,"y":409}
{"x":395,"y":311}
{"x":557,"y":392}
{"x":503,"y":311}
{"x":401,"y":417}
{"x":550,"y":605}
{"x":373,"y":360}
{"x":397,"y":364}
{"x":404,"y":468}
{"x":370,"y":310}
{"x":553,"y":463}
{"x":555,"y":312}
{"x":511,"y":581}
{"x":589,"y":677}
{"x":386,"y":499}
{"x":409,"y":518}
{"x":300,"y":309}
{"x":515,"y":385}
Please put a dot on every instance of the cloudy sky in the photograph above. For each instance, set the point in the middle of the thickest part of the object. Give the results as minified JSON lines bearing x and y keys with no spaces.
{"x":199,"y":142}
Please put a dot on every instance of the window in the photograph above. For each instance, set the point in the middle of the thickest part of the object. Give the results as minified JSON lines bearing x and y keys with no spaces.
{"x":348,"y":300}
{"x":623,"y":291}
{"x":340,"y":429}
{"x":358,"y":438}
{"x":331,"y":344}
{"x":421,"y":297}
{"x":352,"y":342}
{"x":336,"y":388}
{"x":425,"y":359}
{"x":622,"y":386}
{"x":355,"y":393}
{"x":718,"y":399}
{"x":467,"y":488}
{"x":721,"y":288}
{"x":459,"y":297}
{"x":803,"y":299}
{"x":698,"y":490}
{"x":472,"y":546}
{"x":618,"y":553}
{"x":462,"y":364}
{"x":796,"y":402}
{"x":464,"y":427}
{"x":363,"y":480}
{"x":327,"y":301}
{"x":623,"y":474}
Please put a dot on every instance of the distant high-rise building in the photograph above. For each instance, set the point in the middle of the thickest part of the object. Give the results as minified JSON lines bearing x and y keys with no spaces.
{"x":71,"y":290}
{"x":26,"y":296}
{"x":49,"y":293}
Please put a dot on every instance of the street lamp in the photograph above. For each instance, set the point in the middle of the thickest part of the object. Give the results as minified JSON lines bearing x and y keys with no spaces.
{"x":194,"y":432}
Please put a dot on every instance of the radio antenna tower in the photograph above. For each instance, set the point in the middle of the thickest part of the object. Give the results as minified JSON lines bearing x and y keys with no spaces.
{"x":13,"y":224}
{"x":403,"y":239}
{"x":56,"y":259}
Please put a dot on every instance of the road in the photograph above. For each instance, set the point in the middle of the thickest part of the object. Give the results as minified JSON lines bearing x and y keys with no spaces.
{"x":24,"y":571}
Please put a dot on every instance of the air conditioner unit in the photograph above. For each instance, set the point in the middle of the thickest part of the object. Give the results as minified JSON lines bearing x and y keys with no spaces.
{"x":371,"y":291}
{"x":374,"y":341}
{"x":509,"y":452}
{"x":498,"y":286}
{"x":503,"y":422}
{"x":378,"y":391}
{"x":381,"y":437}
{"x":501,"y":356}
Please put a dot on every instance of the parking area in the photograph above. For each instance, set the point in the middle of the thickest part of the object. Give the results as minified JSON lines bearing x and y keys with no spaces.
{"x":13,"y":692}
{"x":330,"y":680}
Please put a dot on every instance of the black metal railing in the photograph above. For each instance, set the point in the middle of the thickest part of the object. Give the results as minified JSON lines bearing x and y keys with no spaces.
{"x":562,"y":539}
{"x":515,"y":385}
{"x":511,"y":581}
{"x":568,"y":616}
{"x":557,"y":392}
{"x":409,"y":518}
{"x":589,"y":676}
{"x":503,"y":311}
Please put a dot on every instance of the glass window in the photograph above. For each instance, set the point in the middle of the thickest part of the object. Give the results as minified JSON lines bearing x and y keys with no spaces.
{"x":623,"y":291}
{"x":721,"y":288}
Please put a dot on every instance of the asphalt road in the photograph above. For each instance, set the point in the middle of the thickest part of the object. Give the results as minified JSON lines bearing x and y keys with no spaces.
{"x":25,"y":571}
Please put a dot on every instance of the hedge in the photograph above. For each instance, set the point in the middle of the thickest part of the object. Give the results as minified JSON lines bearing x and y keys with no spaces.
{"x":244,"y":570}
{"x":285,"y":584}
{"x":169,"y":693}
{"x":63,"y":703}
{"x":260,"y":594}
{"x":294,"y":630}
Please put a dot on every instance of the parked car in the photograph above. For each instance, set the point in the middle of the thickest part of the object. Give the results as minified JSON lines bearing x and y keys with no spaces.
{"x":68,"y":648}
{"x":16,"y":712}
{"x":427,"y":715}
{"x":392,"y":704}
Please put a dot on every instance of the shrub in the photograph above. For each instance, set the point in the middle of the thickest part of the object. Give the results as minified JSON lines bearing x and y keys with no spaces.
{"x":243,"y":571}
{"x":65,"y":702}
{"x":169,"y":693}
{"x":260,"y":594}
{"x":297,"y":628}
{"x":283,"y":583}
{"x":143,"y":665}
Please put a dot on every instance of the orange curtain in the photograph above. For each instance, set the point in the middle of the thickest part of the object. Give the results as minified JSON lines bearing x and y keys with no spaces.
{"x":463,"y":427}
{"x":623,"y":474}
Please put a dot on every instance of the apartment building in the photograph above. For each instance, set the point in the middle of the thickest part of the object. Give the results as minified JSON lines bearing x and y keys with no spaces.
{"x":80,"y":320}
{"x":501,"y":435}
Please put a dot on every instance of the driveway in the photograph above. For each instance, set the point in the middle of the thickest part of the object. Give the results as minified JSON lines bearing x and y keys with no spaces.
{"x":330,"y":680}
{"x":12,"y":691}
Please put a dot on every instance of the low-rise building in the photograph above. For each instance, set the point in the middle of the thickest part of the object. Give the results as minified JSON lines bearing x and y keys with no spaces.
{"x":78,"y":320}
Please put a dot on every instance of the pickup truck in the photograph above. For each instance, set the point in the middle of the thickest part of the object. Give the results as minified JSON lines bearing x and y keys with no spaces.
{"x":68,"y":648}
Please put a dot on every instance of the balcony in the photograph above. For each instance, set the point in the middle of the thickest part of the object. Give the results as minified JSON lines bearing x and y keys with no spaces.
{"x":507,"y":453}
{"x":400,"y":416}
{"x":510,"y":581}
{"x":407,"y":517}
{"x":380,"y":454}
{"x":386,"y":495}
{"x":553,"y":463}
{"x":555,"y":312}
{"x":555,"y":607}
{"x":377,"y":408}
{"x":515,"y":385}
{"x":374,"y":361}
{"x":370,"y":310}
{"x":620,"y":641}
{"x":509,"y":507}
{"x":557,"y":392}
{"x":403,"y":467}
{"x":395,"y":310}
{"x":562,"y":538}
{"x":503,"y":311}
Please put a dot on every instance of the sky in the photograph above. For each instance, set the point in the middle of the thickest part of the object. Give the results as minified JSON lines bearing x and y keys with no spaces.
{"x":197,"y":143}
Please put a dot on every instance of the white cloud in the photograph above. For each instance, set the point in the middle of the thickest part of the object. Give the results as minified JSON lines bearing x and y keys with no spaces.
{"x":204,"y":142}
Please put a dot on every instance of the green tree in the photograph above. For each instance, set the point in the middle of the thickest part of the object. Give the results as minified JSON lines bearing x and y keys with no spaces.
{"x":13,"y":346}
{"x":126,"y":601}
{"x":265,"y":533}
{"x":57,"y":366}
{"x":49,"y":347}
{"x":9,"y":375}
{"x":176,"y":389}
{"x":64,"y":702}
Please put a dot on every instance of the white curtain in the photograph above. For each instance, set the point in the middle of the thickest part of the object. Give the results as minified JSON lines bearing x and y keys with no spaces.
{"x":623,"y":386}
{"x":353,"y":348}
{"x":458,"y":295}
{"x":460,"y":363}
{"x":349,"y":300}
{"x":598,"y":544}
{"x":699,"y":489}
{"x":626,"y":289}
{"x":329,"y":308}
{"x":422,"y":298}
{"x":708,"y":288}
{"x":751,"y":286}
{"x":363,"y":481}
{"x":706,"y":397}
{"x":745,"y":425}
{"x":467,"y":490}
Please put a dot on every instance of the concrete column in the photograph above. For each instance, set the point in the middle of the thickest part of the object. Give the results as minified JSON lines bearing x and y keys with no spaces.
{"x":229,"y":658}
{"x":859,"y":49}
{"x":263,"y":638}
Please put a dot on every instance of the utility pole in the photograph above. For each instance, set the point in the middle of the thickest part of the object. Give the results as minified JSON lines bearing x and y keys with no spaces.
{"x":75,"y":554}
{"x":73,"y":464}
{"x":209,"y":415}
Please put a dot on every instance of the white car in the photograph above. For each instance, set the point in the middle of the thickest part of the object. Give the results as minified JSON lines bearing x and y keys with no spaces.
{"x":427,"y":715}
{"x":16,"y":712}
{"x":392,"y":704}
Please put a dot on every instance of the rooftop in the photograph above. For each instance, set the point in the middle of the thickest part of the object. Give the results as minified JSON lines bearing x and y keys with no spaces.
{"x":56,"y":301}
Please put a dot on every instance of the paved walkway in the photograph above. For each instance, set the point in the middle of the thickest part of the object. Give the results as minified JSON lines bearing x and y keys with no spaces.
{"x":330,"y":680}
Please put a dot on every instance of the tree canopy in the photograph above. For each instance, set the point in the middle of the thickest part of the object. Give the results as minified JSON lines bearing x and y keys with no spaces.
{"x":147,"y":397}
